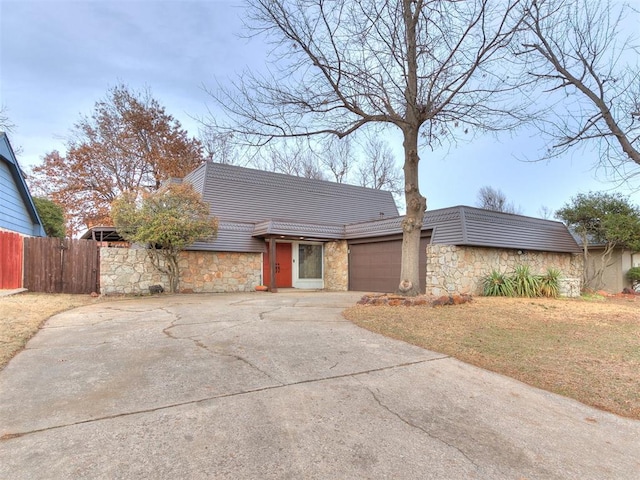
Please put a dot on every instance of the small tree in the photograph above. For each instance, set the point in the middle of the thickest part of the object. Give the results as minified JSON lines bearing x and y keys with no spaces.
{"x":166,"y":221}
{"x":602,"y":219}
{"x":545,"y":212}
{"x":52,"y":216}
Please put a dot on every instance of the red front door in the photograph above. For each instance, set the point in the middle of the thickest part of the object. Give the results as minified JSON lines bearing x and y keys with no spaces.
{"x":283,"y":266}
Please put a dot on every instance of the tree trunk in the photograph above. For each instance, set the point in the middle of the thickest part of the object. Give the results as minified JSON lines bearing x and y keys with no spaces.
{"x":170,"y":268}
{"x":174,"y":272}
{"x":416,"y":203}
{"x":605,"y":261}
{"x":412,"y":223}
{"x":586,"y":274}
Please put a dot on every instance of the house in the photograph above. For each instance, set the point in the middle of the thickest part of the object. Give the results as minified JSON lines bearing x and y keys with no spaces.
{"x":18,"y":217}
{"x":461,"y":245}
{"x":17,"y":211}
{"x":302,"y":219}
{"x":293,"y":232}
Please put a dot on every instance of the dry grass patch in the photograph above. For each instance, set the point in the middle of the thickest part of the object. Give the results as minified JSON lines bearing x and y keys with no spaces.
{"x":22,"y":315}
{"x":585,"y":349}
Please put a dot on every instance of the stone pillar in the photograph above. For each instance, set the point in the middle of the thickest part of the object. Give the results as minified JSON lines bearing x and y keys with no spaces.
{"x":336,"y":266}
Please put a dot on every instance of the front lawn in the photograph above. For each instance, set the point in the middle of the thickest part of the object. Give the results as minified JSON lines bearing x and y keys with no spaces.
{"x":585,"y":349}
{"x":22,"y":315}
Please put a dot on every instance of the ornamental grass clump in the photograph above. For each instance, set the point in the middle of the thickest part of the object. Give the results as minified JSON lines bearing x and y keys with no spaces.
{"x":497,"y":284}
{"x":525,"y":284}
{"x":550,"y":283}
{"x":522,"y":283}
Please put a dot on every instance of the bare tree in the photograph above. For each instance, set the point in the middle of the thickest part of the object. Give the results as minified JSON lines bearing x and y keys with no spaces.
{"x":218,"y":146}
{"x":545,"y":212}
{"x":275,"y":158}
{"x":5,"y":123}
{"x":430,"y":68}
{"x":338,"y":157}
{"x":291,"y":157}
{"x":309,"y":168}
{"x":379,"y":169}
{"x":574,"y":47}
{"x":494,"y":199}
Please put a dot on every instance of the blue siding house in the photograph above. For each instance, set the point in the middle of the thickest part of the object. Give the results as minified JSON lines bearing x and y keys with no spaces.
{"x":17,"y":211}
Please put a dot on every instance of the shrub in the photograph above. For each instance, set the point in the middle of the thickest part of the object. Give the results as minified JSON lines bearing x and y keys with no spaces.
{"x":497,"y":284}
{"x":634,"y":276}
{"x":550,"y":283}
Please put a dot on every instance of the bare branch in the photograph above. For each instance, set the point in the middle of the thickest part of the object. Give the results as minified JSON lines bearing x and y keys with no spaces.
{"x":5,"y":123}
{"x":342,"y":65}
{"x":431,"y":68}
{"x":574,"y":47}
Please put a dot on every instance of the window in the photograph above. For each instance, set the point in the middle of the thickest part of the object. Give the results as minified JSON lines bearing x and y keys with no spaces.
{"x":309,"y":261}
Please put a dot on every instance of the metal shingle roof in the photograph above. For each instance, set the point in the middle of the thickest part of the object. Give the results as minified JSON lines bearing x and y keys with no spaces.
{"x":471,"y":226}
{"x":249,"y":195}
{"x":274,"y":203}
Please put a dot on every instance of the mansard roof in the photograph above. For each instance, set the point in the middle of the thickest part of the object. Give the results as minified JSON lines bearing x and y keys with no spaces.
{"x":253,"y":204}
{"x":248,"y":195}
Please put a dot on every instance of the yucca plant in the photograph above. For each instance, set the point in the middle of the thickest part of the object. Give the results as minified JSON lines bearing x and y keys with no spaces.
{"x":550,"y":283}
{"x":497,"y":284}
{"x":524,"y":283}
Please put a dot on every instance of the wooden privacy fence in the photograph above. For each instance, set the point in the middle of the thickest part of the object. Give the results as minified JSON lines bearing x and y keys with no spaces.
{"x":54,"y":265}
{"x":10,"y":260}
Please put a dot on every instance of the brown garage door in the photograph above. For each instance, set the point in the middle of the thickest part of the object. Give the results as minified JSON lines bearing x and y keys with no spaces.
{"x":374,"y":265}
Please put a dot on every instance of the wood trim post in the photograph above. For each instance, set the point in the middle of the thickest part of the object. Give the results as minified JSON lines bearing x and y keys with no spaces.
{"x":273,"y":288}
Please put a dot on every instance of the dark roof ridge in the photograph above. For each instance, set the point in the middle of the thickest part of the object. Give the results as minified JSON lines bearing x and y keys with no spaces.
{"x":504,"y":214}
{"x":461,"y":208}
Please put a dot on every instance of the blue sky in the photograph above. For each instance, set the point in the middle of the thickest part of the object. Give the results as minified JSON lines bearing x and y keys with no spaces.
{"x":57,"y":58}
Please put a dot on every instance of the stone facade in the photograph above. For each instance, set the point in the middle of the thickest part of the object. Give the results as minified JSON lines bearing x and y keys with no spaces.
{"x":129,"y":271}
{"x":452,"y":269}
{"x":336,"y":266}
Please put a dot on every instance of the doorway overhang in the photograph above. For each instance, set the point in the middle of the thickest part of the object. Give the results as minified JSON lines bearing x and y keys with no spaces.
{"x":287,"y":230}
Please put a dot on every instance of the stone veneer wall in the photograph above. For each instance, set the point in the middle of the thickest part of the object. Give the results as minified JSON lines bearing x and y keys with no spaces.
{"x":129,"y":271}
{"x":452,"y":269}
{"x":336,"y":266}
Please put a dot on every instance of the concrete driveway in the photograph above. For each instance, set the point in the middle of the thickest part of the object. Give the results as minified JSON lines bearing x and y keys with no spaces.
{"x":279,"y":386}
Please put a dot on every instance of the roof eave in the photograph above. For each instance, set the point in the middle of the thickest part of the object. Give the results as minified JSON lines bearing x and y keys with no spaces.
{"x":23,"y":189}
{"x":298,"y":230}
